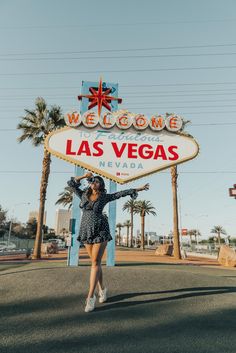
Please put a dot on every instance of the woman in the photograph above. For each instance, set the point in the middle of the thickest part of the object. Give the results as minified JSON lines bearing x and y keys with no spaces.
{"x":94,"y":230}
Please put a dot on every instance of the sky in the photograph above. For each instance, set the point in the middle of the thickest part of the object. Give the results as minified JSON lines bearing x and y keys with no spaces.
{"x":172,"y":56}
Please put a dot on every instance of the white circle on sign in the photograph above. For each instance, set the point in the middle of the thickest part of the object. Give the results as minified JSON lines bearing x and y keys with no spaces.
{"x":72,"y":118}
{"x":123,"y":121}
{"x":157,"y":122}
{"x":90,"y":119}
{"x":174,"y":123}
{"x":140,"y":122}
{"x":107,"y":120}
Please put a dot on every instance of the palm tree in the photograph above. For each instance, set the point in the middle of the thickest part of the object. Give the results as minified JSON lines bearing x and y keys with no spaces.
{"x":130,"y":206}
{"x":144,"y":208}
{"x":127,"y":224}
{"x":66,"y":197}
{"x":195,"y":233}
{"x":218,"y":230}
{"x":119,"y":226}
{"x":35,"y":126}
{"x":190,"y":233}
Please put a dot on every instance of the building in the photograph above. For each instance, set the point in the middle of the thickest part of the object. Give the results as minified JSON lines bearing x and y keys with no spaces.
{"x":35,"y":214}
{"x":62,"y":224}
{"x":152,"y":236}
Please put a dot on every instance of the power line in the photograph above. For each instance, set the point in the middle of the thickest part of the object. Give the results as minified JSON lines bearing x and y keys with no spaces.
{"x":133,"y":95}
{"x":129,"y":24}
{"x":179,"y":101}
{"x":137,"y":85}
{"x":178,"y":107}
{"x":212,"y":112}
{"x":119,"y":57}
{"x":179,"y":84}
{"x":118,"y":71}
{"x":225,"y":112}
{"x":200,"y":124}
{"x":123,"y":50}
{"x":195,"y":92}
{"x":127,"y":101}
{"x":213,"y":124}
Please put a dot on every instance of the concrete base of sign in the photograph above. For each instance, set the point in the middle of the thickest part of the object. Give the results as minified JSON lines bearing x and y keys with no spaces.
{"x":165,"y":249}
{"x":227,"y":256}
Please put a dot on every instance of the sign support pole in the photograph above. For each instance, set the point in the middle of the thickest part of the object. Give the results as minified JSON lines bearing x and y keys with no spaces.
{"x":112,"y":223}
{"x":75,"y":244}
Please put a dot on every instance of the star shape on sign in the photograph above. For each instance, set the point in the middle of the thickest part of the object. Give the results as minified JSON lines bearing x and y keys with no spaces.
{"x":100,"y":98}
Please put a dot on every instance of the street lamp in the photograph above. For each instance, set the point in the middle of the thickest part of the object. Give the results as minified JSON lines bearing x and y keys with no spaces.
{"x":10,"y":226}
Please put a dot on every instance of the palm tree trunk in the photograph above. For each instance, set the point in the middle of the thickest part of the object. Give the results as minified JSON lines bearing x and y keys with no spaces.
{"x":142,"y":231}
{"x":118,"y":236}
{"x":127,"y":241}
{"x":191,"y":240}
{"x":174,"y":176}
{"x":219,"y":238}
{"x":43,"y":190}
{"x":131,"y":226}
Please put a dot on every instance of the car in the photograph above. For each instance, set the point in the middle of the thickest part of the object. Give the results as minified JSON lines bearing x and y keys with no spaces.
{"x":60,"y":243}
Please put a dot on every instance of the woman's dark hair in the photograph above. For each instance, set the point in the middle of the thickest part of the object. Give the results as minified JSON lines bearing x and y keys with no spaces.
{"x":101,"y":186}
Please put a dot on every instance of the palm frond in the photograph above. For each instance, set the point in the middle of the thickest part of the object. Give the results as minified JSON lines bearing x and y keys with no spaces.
{"x":218,"y":229}
{"x":143,"y":206}
{"x":129,"y":205}
{"x":66,"y":197}
{"x":38,"y":123}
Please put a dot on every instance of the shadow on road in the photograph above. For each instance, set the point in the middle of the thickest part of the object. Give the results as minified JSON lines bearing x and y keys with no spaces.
{"x":163,"y":329}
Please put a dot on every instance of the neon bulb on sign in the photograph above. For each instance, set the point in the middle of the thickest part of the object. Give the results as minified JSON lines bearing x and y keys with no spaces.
{"x":124,"y":120}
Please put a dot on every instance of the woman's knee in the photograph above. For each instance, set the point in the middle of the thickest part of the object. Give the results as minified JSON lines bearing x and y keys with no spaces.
{"x":96,"y":262}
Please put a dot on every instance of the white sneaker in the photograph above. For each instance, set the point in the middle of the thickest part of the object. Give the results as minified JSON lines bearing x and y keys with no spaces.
{"x":90,"y":304}
{"x":102,"y":295}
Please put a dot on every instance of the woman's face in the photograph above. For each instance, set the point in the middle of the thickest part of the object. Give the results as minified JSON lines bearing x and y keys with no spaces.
{"x":95,"y":185}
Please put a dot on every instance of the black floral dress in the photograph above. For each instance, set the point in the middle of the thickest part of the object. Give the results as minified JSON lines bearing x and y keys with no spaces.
{"x":94,"y":226}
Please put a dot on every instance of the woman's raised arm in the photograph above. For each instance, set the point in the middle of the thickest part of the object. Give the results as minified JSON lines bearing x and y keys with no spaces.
{"x":74,"y":183}
{"x":129,"y":192}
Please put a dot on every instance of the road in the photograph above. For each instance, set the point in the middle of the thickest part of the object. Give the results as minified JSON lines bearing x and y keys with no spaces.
{"x":166,"y":308}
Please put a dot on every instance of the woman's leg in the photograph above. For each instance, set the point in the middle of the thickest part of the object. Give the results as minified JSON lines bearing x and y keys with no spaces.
{"x":97,"y":253}
{"x":100,"y":277}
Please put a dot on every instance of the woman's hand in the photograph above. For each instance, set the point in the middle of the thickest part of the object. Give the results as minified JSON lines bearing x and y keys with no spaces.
{"x":88,"y":175}
{"x":85,"y":176}
{"x":145,"y":187}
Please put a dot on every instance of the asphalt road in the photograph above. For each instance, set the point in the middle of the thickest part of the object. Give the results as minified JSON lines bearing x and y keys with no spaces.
{"x":152,"y":308}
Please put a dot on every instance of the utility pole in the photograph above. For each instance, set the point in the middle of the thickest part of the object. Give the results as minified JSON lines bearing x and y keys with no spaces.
{"x":174,"y":176}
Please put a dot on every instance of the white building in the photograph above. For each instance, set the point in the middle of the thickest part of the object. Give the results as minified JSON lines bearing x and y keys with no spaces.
{"x":62,"y":221}
{"x":35,"y":214}
{"x":149,"y":235}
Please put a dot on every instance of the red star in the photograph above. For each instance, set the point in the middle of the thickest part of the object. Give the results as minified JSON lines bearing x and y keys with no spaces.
{"x":100,"y":98}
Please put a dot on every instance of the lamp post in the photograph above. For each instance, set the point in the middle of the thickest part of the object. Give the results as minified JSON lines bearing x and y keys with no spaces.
{"x":10,"y":226}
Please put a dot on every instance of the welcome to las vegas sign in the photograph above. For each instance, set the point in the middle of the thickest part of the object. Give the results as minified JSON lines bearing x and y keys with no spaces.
{"x":120,"y":145}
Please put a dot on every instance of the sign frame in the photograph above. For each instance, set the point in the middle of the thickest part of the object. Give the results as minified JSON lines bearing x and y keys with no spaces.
{"x":107,"y":174}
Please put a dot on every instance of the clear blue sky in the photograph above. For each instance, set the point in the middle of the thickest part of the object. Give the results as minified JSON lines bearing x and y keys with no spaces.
{"x":47,"y":48}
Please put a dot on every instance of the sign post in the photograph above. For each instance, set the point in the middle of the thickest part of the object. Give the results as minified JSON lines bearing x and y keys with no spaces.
{"x":94,"y":93}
